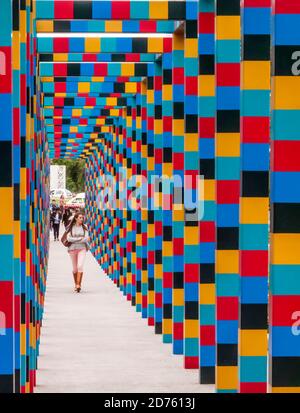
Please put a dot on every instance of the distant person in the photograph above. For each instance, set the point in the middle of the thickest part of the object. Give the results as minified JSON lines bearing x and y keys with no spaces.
{"x":72,"y":215}
{"x":57,"y":217}
{"x":62,"y":204}
{"x":52,"y":206}
{"x":66,"y":217}
{"x":77,"y":235}
{"x":52,"y":210}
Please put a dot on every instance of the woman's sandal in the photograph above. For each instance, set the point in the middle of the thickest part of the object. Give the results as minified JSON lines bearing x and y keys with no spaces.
{"x":78,"y":289}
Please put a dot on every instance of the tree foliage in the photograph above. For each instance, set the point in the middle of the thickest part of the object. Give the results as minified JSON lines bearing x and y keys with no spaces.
{"x":74,"y":173}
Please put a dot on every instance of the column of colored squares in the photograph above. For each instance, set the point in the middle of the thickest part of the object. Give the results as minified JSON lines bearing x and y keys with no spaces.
{"x":212,"y":272}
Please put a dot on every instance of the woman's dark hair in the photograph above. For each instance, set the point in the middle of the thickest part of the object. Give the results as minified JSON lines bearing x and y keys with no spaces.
{"x":73,"y":222}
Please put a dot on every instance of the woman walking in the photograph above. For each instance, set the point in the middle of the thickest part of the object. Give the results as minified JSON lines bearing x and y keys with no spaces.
{"x":56,"y":217}
{"x":77,"y":235}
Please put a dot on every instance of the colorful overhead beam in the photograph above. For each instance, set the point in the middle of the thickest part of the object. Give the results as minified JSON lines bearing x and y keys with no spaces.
{"x":94,"y":69}
{"x":97,"y":57}
{"x":90,"y":79}
{"x":105,"y":26}
{"x":89,"y":87}
{"x":103,"y":45}
{"x":109,"y":10}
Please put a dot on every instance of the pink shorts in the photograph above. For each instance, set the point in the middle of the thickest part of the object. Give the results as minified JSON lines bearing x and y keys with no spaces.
{"x":78,"y":258}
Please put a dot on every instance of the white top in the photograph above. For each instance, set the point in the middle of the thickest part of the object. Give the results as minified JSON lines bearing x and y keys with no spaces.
{"x":79,"y":238}
{"x":57,"y":218}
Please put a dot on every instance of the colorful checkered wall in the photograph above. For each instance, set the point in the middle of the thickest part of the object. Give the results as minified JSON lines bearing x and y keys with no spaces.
{"x":213,"y":266}
{"x":24,"y":190}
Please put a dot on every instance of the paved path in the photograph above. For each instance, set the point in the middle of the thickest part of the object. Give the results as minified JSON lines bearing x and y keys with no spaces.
{"x":96,"y":342}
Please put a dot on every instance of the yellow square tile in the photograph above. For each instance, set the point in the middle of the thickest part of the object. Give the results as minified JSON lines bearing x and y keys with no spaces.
{"x":226,"y":377}
{"x":23,"y":183}
{"x":254,"y":211}
{"x":178,"y":296}
{"x":227,"y":262}
{"x":83,"y":87}
{"x":150,"y":96}
{"x":227,"y":144}
{"x":178,"y":127}
{"x":151,"y":233}
{"x":133,"y":147}
{"x":253,"y":342}
{"x":23,"y":335}
{"x":155,"y":45}
{"x":6,"y":222}
{"x":191,"y":235}
{"x":178,"y":213}
{"x":43,"y":26}
{"x":92,"y":45}
{"x":98,"y":79}
{"x":130,"y":87}
{"x":114,"y":112}
{"x":191,"y":328}
{"x":228,"y":27}
{"x":113,"y":26}
{"x":285,"y":249}
{"x":61,"y":57}
{"x":256,"y":75}
{"x":167,"y":326}
{"x":133,"y":258}
{"x":167,"y":169}
{"x":158,"y":126}
{"x":286,"y":92}
{"x":77,"y":112}
{"x":207,"y":85}
{"x":158,"y":271}
{"x":191,"y":142}
{"x":127,"y":69}
{"x":209,"y":189}
{"x":17,"y":228}
{"x":138,"y":298}
{"x":158,"y":10}
{"x":207,"y":294}
{"x":150,"y":297}
{"x":47,"y":79}
{"x":23,"y":18}
{"x":15,"y":50}
{"x":139,"y":239}
{"x":191,"y":48}
{"x":144,"y":277}
{"x":167,"y":92}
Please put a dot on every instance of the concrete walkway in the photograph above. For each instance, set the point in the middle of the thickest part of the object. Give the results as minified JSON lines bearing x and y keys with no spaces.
{"x":95,"y":342}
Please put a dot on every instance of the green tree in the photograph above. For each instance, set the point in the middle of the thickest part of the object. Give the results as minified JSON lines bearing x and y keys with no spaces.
{"x":74,"y":173}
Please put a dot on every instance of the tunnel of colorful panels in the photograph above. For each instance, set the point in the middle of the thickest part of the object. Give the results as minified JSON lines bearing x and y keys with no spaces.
{"x":186,"y":116}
